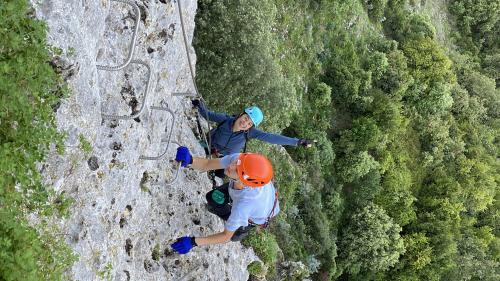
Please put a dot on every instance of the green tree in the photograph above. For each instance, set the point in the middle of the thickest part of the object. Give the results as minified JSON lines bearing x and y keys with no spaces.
{"x":477,"y":19}
{"x":484,"y":88}
{"x":396,"y":79}
{"x":396,"y":197}
{"x":235,"y":58}
{"x":354,"y":166}
{"x":427,"y":61}
{"x":377,"y":63}
{"x":363,"y":135}
{"x":375,"y":8}
{"x":433,"y":101}
{"x":370,"y":242}
{"x":491,"y":66}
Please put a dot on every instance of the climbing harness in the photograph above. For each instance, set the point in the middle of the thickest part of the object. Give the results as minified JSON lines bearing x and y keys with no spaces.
{"x":269,"y":217}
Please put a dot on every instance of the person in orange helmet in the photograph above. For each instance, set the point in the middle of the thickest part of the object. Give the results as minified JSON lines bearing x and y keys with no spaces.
{"x":248,"y":200}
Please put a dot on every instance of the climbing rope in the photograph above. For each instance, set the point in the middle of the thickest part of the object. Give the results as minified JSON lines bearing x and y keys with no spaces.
{"x":206,"y":139}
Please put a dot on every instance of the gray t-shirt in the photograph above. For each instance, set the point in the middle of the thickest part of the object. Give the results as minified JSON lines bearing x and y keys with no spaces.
{"x":249,"y":203}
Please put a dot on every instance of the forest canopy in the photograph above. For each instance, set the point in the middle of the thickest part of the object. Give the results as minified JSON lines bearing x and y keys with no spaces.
{"x":402,"y":183}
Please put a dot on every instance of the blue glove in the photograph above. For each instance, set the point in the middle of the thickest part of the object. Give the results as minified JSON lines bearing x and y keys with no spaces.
{"x":183,"y":245}
{"x":183,"y":156}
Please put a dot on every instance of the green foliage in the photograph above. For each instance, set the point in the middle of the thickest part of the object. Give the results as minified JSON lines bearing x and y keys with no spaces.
{"x":476,"y":263}
{"x":29,"y":91}
{"x":237,"y":59}
{"x":265,"y":246}
{"x":403,"y":25}
{"x":27,"y":254}
{"x":317,"y":108}
{"x":426,"y":60}
{"x":397,"y":198}
{"x":431,"y":102}
{"x":375,"y":8}
{"x":29,"y":88}
{"x":396,"y":79}
{"x":466,"y":107}
{"x":418,"y":251}
{"x":321,"y":242}
{"x":407,"y":132}
{"x":417,"y":257}
{"x":354,"y":166}
{"x":363,"y":135}
{"x":386,"y":113}
{"x":370,"y":242}
{"x":105,"y":273}
{"x":257,"y":269}
{"x":477,"y":21}
{"x":85,"y":144}
{"x":484,"y":88}
{"x":345,"y":75}
{"x":17,"y":252}
{"x":377,"y":63}
{"x":491,"y":66}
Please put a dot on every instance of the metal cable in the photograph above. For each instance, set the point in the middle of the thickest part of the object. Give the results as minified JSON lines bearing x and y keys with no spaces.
{"x":208,"y":140}
{"x":132,"y":45}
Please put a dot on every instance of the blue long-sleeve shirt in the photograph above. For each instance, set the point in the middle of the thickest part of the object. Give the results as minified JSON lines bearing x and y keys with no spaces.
{"x":226,"y":142}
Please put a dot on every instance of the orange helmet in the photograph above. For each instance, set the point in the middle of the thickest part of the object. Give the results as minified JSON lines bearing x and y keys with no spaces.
{"x":254,"y":170}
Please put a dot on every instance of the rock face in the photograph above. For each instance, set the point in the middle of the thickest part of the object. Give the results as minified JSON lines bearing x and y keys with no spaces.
{"x":125,"y":215}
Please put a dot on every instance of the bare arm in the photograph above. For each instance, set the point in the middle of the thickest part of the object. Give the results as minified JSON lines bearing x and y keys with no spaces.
{"x":203,"y":164}
{"x":218,"y":238}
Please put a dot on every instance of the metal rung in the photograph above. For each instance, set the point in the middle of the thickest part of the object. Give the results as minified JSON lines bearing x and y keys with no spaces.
{"x":169,"y":135}
{"x":178,"y":170}
{"x":176,"y":175}
{"x":187,"y":94}
{"x":132,"y":44}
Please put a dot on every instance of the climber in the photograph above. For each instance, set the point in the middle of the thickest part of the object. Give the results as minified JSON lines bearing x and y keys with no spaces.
{"x":233,"y":132}
{"x":247,"y":201}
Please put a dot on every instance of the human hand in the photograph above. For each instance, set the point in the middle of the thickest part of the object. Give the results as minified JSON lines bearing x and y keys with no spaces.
{"x":183,"y":245}
{"x":306,"y":143}
{"x":196,"y":102}
{"x":183,"y":156}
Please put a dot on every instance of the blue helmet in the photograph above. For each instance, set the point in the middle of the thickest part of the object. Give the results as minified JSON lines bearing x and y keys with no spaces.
{"x":255,"y":114}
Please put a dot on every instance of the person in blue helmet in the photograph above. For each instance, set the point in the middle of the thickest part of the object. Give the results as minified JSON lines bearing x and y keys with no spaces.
{"x":233,"y":132}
